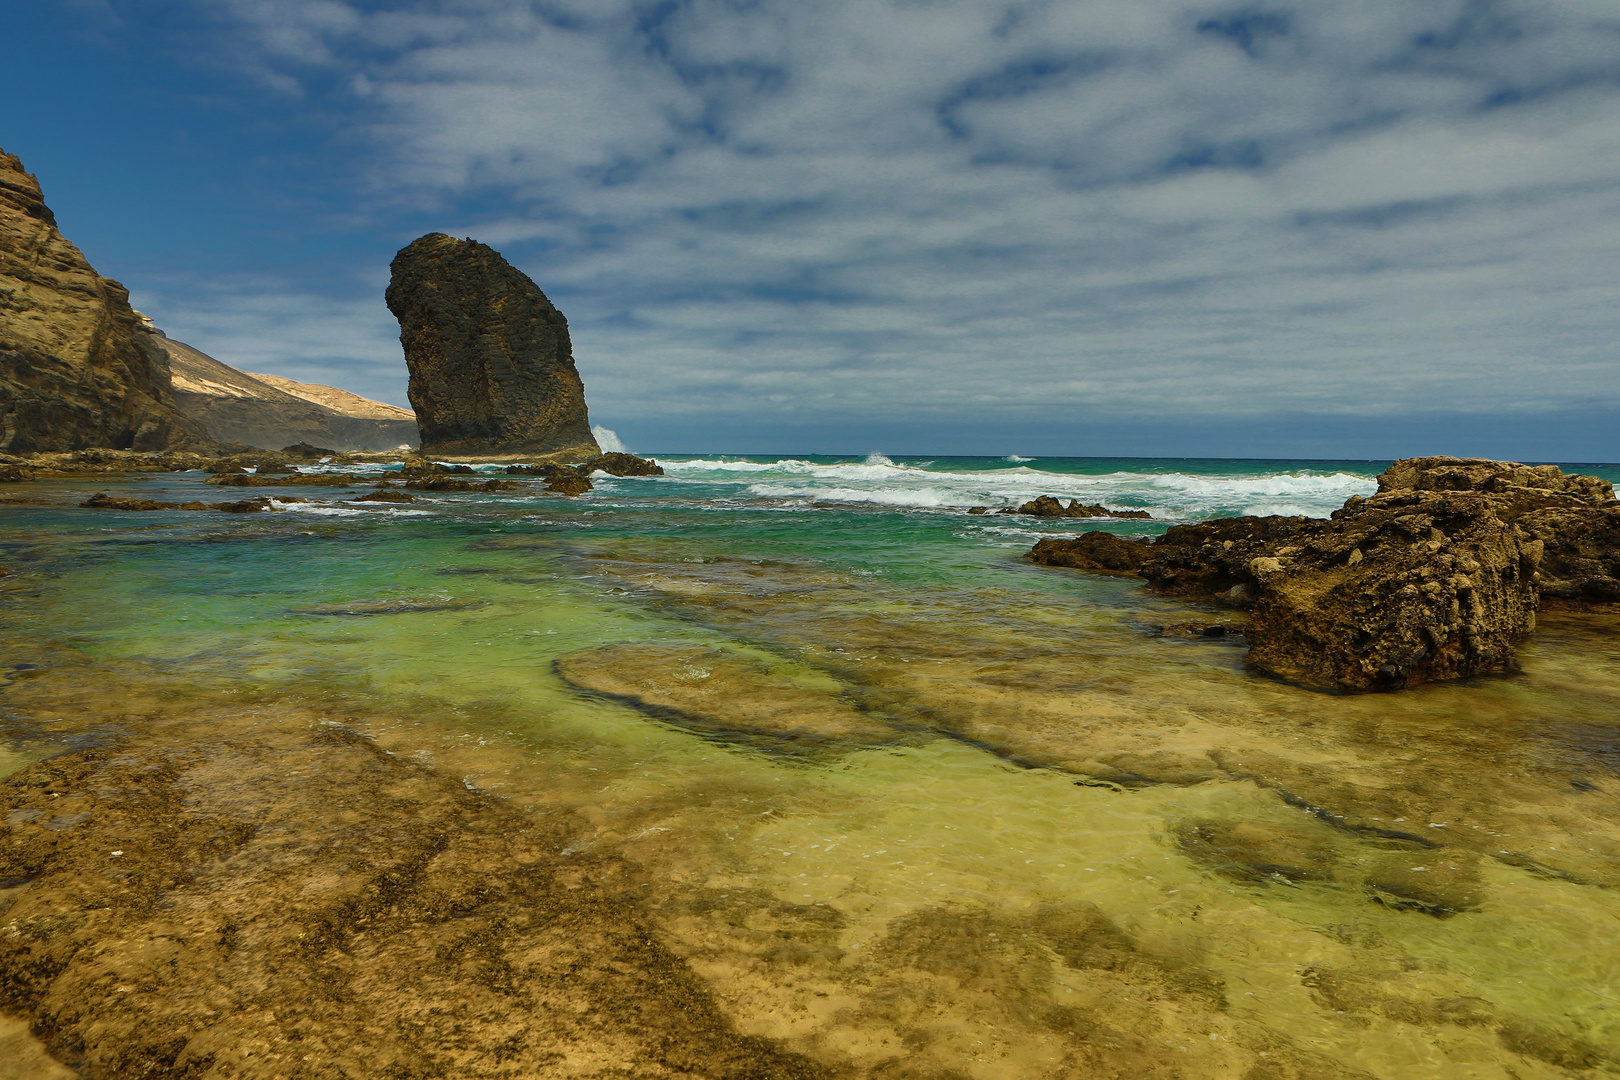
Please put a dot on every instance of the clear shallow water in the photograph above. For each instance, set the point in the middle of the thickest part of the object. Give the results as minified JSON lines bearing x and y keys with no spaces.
{"x":899,"y":795}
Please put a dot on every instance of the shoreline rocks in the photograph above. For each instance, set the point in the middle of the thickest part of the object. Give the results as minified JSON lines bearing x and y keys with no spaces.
{"x":1437,"y":576}
{"x":1045,"y":506}
{"x":490,"y":358}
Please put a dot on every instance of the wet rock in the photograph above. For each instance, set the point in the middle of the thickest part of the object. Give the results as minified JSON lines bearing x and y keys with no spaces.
{"x":723,"y":694}
{"x":387,"y":495}
{"x":102,"y":501}
{"x":1435,"y":577}
{"x":1047,"y":507}
{"x":293,"y":480}
{"x":1098,"y":552}
{"x":1259,"y":851}
{"x":569,"y":485}
{"x":14,"y":474}
{"x":549,"y":469}
{"x":978,"y":509}
{"x":451,"y":484}
{"x":491,"y":361}
{"x":617,"y":464}
{"x":262,"y":504}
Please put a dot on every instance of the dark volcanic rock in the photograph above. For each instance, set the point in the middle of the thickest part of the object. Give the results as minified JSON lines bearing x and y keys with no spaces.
{"x":387,"y":495}
{"x":448,"y":484}
{"x":618,"y":464}
{"x":569,"y":485}
{"x":1047,"y":507}
{"x":76,"y":368}
{"x":1437,"y":576}
{"x":491,"y":363}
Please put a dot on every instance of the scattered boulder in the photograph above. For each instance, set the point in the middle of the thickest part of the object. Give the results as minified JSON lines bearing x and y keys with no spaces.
{"x":305,"y":452}
{"x":491,"y":361}
{"x":445,"y":484}
{"x":1047,"y":507}
{"x":569,"y":485}
{"x":387,"y":495}
{"x":14,"y":474}
{"x":102,"y":501}
{"x":1437,"y":576}
{"x":618,"y":464}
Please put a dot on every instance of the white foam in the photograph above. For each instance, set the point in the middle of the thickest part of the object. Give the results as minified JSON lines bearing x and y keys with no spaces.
{"x":608,"y":440}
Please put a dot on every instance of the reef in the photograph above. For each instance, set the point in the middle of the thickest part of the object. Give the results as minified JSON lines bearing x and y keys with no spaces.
{"x":490,"y":358}
{"x":1437,"y":576}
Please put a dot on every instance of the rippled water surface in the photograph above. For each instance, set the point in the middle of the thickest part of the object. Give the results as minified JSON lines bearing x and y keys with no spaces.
{"x":907,"y":802}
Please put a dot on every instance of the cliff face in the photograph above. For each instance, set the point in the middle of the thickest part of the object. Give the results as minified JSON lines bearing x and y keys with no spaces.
{"x":76,"y":370}
{"x":491,"y":363}
{"x":270,"y":412}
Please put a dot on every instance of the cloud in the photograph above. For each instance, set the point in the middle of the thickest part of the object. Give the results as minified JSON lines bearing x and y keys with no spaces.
{"x":1041,"y":211}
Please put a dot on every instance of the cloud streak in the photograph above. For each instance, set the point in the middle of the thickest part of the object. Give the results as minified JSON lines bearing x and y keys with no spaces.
{"x":1043,"y":213}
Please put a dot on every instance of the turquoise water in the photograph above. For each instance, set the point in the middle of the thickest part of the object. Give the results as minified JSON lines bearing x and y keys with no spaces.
{"x":825,"y":710}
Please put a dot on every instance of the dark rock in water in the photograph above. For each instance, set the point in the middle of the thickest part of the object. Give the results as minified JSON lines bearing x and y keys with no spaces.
{"x":491,"y":362}
{"x":978,"y":509}
{"x":306,"y":452}
{"x":76,"y":368}
{"x":617,"y":464}
{"x":569,"y":485}
{"x":445,"y":484}
{"x":1099,"y":552}
{"x":387,"y":495}
{"x":550,"y":470}
{"x":1437,"y":576}
{"x":1046,"y":506}
{"x":261,"y":504}
{"x":102,"y":501}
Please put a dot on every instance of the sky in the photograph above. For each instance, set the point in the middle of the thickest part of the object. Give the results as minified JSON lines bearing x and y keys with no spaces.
{"x":1163,"y":227}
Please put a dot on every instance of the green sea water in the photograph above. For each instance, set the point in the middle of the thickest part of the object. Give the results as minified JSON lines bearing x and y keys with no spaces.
{"x":899,"y":794}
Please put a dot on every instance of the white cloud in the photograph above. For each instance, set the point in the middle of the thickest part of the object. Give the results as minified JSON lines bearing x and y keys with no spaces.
{"x":875,"y":207}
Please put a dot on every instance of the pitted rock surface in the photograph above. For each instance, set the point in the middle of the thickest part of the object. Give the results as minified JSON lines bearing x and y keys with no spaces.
{"x":1437,"y":576}
{"x":491,"y":362}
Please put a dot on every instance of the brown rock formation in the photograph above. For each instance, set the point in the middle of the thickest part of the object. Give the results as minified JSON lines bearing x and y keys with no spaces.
{"x":269,"y":411}
{"x":1047,"y":507}
{"x":75,"y":369}
{"x":491,"y":362}
{"x":1437,"y":576}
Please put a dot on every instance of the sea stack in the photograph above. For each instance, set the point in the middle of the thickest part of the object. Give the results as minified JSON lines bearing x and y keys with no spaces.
{"x":491,"y":363}
{"x":77,"y":371}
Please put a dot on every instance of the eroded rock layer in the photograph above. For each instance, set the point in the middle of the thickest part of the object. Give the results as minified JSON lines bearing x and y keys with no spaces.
{"x":76,"y":370}
{"x":491,"y":363}
{"x":1437,"y":576}
{"x":268,"y":411}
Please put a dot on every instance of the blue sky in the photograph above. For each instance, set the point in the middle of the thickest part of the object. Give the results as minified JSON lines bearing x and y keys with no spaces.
{"x":915,"y":226}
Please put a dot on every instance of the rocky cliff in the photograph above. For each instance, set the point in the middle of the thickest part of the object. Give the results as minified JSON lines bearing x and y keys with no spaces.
{"x":491,"y":363}
{"x":76,"y":370}
{"x":271,"y":412}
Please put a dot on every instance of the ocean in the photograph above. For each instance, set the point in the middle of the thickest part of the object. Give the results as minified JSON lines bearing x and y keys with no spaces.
{"x":894,"y":793}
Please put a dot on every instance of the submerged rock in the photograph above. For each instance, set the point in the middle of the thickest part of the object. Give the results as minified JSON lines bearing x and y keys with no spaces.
{"x":491,"y":362}
{"x":1437,"y":576}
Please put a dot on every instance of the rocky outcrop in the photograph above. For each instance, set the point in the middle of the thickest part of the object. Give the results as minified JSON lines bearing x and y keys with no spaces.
{"x":1437,"y":576}
{"x":1046,"y":506}
{"x":266,"y":410}
{"x":491,"y":363}
{"x":76,"y":371}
